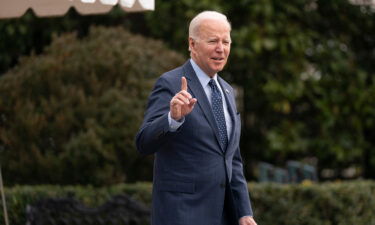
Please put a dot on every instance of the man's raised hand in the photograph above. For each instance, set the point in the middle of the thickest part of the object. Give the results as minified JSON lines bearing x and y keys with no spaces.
{"x":182,"y":103}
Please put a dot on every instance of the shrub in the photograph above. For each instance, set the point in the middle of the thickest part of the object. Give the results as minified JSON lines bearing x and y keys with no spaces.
{"x":69,"y":116}
{"x":345,"y":203}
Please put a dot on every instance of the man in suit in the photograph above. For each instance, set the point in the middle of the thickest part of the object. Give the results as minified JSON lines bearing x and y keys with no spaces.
{"x":192,"y":126}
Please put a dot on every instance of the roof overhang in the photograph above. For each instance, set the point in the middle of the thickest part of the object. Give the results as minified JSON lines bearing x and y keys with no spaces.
{"x":43,"y":8}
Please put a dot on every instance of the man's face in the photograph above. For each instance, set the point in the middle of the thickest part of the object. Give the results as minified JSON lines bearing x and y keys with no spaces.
{"x":210,"y":50}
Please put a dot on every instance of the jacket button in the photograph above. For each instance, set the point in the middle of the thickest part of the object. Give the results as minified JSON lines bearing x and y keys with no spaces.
{"x":222,"y":185}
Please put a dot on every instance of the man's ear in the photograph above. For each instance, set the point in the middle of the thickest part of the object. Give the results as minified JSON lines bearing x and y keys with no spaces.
{"x":191,"y":43}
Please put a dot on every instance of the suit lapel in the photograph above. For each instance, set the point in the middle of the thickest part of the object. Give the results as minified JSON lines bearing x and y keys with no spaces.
{"x":197,"y":90}
{"x":229,"y":98}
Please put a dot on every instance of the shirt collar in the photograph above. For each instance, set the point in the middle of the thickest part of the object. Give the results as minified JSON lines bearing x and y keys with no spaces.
{"x":202,"y":76}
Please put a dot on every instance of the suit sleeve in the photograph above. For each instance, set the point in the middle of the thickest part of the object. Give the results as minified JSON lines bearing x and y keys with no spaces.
{"x":239,"y":187}
{"x":154,"y":131}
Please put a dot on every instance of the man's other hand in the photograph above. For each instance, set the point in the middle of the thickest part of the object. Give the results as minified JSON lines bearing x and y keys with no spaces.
{"x":247,"y":220}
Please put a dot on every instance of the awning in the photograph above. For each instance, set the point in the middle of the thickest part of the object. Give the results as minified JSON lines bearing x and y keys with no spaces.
{"x":370,"y":3}
{"x":16,"y":8}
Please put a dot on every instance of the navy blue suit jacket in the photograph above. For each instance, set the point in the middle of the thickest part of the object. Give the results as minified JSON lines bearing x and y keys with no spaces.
{"x":191,"y":170}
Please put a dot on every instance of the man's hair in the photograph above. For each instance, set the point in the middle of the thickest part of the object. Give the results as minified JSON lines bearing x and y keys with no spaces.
{"x":197,"y":21}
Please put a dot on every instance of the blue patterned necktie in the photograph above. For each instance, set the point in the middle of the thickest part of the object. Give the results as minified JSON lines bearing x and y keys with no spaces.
{"x":217,"y":109}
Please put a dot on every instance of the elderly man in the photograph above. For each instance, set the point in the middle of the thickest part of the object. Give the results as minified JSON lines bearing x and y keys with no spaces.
{"x":193,"y":128}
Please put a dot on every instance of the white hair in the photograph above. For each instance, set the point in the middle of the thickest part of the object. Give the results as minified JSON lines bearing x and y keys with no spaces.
{"x":198,"y":19}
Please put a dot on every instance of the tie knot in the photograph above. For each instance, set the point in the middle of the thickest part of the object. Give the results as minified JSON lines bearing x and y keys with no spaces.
{"x":212,"y":84}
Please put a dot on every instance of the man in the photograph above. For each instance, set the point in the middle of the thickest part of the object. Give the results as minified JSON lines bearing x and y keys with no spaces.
{"x":193,"y":127}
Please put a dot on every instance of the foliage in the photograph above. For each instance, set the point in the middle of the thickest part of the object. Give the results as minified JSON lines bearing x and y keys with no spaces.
{"x":305,"y":69}
{"x":328,"y":203}
{"x":311,"y":63}
{"x":18,"y":197}
{"x":31,"y":34}
{"x":69,"y":116}
{"x":343,"y":203}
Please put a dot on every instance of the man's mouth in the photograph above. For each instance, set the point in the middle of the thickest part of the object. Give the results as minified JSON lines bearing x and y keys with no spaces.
{"x":217,"y":58}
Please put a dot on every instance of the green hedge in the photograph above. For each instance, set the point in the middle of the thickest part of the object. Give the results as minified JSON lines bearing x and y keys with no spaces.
{"x":346,"y":203}
{"x":339,"y":203}
{"x":69,"y":115}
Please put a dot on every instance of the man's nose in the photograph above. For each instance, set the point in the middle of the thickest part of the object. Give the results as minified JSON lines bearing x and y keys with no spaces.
{"x":220,"y":47}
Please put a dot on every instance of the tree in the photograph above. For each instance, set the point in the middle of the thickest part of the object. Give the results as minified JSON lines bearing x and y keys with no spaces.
{"x":306,"y":71}
{"x":308,"y":81}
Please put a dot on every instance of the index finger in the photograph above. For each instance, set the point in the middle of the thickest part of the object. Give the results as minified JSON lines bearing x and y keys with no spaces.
{"x":183,"y":84}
